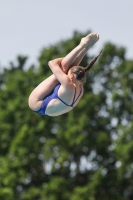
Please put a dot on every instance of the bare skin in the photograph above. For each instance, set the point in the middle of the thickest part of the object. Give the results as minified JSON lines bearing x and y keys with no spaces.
{"x":61,"y":74}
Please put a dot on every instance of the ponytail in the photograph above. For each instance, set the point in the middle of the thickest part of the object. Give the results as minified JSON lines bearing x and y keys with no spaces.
{"x":80,"y":72}
{"x":92,"y":62}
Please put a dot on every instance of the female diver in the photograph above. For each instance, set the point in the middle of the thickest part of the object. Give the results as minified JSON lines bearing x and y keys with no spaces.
{"x":60,"y":93}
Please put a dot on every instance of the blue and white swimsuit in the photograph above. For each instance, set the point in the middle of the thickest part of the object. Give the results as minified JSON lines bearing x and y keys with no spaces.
{"x":54,"y":95}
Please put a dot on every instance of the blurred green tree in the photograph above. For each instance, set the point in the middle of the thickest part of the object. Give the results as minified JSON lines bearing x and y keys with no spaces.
{"x":84,"y":154}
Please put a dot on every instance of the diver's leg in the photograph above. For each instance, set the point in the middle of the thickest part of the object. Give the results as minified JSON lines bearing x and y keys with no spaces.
{"x":77,"y":54}
{"x":41,"y":91}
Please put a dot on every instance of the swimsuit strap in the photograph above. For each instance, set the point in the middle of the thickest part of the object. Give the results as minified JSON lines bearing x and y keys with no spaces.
{"x":74,"y":97}
{"x":73,"y":102}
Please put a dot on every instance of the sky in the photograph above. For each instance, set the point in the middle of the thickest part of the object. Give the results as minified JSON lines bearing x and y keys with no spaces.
{"x":27,"y":26}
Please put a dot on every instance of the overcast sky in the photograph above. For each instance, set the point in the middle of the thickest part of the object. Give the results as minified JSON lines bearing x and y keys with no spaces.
{"x":26,"y":26}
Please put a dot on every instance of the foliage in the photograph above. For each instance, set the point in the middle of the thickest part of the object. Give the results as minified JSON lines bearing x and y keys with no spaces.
{"x":84,"y":154}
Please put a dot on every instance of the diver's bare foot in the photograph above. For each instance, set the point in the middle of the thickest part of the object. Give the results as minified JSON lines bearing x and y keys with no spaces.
{"x":89,"y":40}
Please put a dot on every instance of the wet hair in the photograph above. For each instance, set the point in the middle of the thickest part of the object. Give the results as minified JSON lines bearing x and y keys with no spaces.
{"x":80,"y":72}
